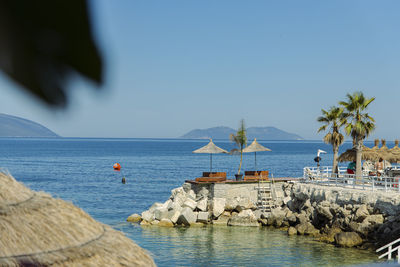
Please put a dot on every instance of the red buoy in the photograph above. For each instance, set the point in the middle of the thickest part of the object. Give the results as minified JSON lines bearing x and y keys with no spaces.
{"x":116,"y":166}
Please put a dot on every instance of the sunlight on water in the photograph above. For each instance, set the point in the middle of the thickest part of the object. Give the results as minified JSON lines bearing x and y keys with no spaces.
{"x":240,"y":246}
{"x":80,"y":170}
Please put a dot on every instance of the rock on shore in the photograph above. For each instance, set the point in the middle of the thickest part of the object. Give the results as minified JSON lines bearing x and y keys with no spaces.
{"x":186,"y":207}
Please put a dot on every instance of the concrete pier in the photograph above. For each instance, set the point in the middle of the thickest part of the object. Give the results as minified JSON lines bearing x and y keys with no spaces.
{"x":343,"y":216}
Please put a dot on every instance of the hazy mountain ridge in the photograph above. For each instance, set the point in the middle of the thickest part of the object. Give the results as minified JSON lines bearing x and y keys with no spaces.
{"x":261,"y":133}
{"x":12,"y":126}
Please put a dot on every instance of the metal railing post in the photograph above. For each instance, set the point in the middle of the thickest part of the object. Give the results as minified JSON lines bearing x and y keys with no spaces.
{"x":373,"y":183}
{"x":385,"y":184}
{"x":398,"y":255}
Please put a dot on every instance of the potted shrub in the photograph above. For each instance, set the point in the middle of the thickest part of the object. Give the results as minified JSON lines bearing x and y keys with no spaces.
{"x":240,"y":139}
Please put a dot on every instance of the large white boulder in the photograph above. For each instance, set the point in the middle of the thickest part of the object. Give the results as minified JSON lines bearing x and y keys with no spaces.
{"x":222,"y":219}
{"x":187,"y":187}
{"x":167,"y":203}
{"x":155,"y":206}
{"x":190,"y":203}
{"x":231,"y":203}
{"x":176,"y":191}
{"x":191,"y":194}
{"x":202,"y":205}
{"x":180,"y":198}
{"x":187,"y":216}
{"x":174,"y":206}
{"x":160,"y":213}
{"x":247,"y":213}
{"x":203,"y":193}
{"x":173,"y":215}
{"x":244,"y":204}
{"x":218,"y":206}
{"x":244,"y":218}
{"x":148,"y":216}
{"x":203,"y":216}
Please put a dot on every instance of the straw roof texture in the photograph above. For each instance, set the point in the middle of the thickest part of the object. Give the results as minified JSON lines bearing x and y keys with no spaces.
{"x":367,"y":154}
{"x":395,"y":152}
{"x":384,"y":150}
{"x":210,"y":148}
{"x":255,"y":147}
{"x":376,"y":145}
{"x":38,"y":230}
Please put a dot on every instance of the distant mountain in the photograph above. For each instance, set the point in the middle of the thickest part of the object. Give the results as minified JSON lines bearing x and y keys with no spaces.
{"x":261,"y":133}
{"x":12,"y":126}
{"x":271,"y":133}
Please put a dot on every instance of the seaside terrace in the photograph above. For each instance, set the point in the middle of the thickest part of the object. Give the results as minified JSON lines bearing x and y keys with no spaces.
{"x":389,"y":181}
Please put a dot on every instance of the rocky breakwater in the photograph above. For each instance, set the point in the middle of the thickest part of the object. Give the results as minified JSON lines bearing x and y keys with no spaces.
{"x":194,"y":205}
{"x":342,"y":216}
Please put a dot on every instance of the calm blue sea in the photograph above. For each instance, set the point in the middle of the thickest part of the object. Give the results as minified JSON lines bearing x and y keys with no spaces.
{"x":80,"y":170}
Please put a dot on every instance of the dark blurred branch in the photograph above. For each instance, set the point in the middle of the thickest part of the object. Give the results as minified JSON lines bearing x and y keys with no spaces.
{"x":42,"y":42}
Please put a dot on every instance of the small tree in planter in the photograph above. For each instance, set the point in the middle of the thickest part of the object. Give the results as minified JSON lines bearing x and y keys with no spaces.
{"x":240,"y":140}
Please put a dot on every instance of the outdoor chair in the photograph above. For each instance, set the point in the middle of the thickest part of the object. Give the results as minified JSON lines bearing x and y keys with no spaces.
{"x":212,"y":177}
{"x":255,"y":175}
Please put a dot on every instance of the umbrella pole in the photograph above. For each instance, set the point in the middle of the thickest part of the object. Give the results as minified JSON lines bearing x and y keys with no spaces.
{"x":210,"y":162}
{"x":255,"y":161}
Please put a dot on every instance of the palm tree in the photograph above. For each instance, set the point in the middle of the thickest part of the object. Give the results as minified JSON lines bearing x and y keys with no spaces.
{"x":358,"y":123}
{"x":333,"y":119}
{"x":240,"y":140}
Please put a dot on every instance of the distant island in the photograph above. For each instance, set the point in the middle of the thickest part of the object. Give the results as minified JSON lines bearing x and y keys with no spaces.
{"x":12,"y":126}
{"x":261,"y":133}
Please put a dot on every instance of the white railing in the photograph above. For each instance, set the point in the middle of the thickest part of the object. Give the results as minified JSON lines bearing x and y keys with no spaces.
{"x":324,"y":176}
{"x":390,"y":248}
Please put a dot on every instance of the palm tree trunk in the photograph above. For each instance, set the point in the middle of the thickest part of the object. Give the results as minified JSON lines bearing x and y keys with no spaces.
{"x":335,"y":162}
{"x":358,"y":148}
{"x":241,"y":157}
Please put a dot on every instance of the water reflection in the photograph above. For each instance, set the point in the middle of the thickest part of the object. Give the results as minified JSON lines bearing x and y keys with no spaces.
{"x":239,"y":246}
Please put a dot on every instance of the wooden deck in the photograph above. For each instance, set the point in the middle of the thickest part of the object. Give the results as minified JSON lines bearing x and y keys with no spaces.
{"x":227,"y":181}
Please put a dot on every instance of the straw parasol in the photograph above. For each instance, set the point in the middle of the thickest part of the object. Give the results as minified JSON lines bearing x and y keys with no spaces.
{"x":367,"y":154}
{"x":38,"y":230}
{"x":395,"y":152}
{"x":384,"y":150}
{"x":210,"y":148}
{"x":255,"y":147}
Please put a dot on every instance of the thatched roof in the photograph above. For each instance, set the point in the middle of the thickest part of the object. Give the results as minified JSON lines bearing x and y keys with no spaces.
{"x":376,"y":145}
{"x":255,"y":147}
{"x":384,"y":148}
{"x":367,"y":154}
{"x":38,"y":230}
{"x":210,"y":148}
{"x":395,"y":152}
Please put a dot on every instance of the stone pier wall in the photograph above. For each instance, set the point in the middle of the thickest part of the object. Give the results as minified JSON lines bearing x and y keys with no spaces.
{"x":230,"y":191}
{"x":343,"y":216}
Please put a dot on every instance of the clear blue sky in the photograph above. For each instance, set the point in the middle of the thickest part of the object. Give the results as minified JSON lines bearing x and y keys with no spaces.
{"x":173,"y":66}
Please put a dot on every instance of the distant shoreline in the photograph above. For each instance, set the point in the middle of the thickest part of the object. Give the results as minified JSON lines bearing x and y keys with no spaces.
{"x":162,"y":138}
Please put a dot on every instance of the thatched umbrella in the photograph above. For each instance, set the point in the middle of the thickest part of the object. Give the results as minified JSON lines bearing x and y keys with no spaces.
{"x":395,"y":152}
{"x":367,"y":154}
{"x":210,"y":148}
{"x":255,"y":147}
{"x":38,"y":230}
{"x":384,"y":150}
